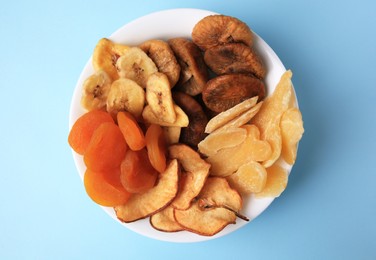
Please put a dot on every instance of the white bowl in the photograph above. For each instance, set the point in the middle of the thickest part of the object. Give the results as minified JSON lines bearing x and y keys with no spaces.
{"x":164,"y":25}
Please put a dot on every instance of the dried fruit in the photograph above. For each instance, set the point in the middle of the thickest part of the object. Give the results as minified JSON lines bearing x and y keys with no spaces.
{"x":230,"y":114}
{"x":125,"y":95}
{"x":194,"y":132}
{"x":212,"y":210}
{"x":234,"y":58}
{"x":163,"y":56}
{"x":159,"y":98}
{"x":292,"y":131}
{"x":249,"y":178}
{"x":171,"y":134}
{"x":276,"y":182}
{"x":269,"y":116}
{"x":142,"y":205}
{"x":155,"y":143}
{"x":225,"y":91}
{"x":105,"y":56}
{"x":181,"y":118}
{"x":194,"y":173}
{"x":95,"y":90}
{"x":132,"y":132}
{"x":164,"y":220}
{"x":136,"y":65}
{"x":228,"y":160}
{"x":194,"y":73}
{"x":217,"y":30}
{"x":222,"y":139}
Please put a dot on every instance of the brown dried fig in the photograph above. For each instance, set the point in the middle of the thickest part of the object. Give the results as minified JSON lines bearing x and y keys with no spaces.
{"x":234,"y":58}
{"x":226,"y":91}
{"x":163,"y":56}
{"x":194,"y":72}
{"x":216,"y":30}
{"x":195,"y":131}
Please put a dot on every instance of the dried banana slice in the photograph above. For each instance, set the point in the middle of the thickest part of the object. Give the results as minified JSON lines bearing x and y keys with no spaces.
{"x":136,"y":65}
{"x":226,"y":91}
{"x":181,"y":118}
{"x":163,"y":56}
{"x":125,"y":95}
{"x":216,"y":30}
{"x":194,"y":72}
{"x":234,"y":58}
{"x":95,"y":91}
{"x":159,"y":98}
{"x":105,"y":55}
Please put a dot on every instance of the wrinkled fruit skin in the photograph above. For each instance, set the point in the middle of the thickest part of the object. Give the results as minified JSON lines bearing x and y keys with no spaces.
{"x":226,"y":91}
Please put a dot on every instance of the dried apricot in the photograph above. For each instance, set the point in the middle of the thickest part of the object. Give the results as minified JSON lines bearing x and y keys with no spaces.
{"x":83,"y":129}
{"x":106,"y":149}
{"x":137,"y":174}
{"x":156,"y":147}
{"x":104,"y":187}
{"x":131,"y":130}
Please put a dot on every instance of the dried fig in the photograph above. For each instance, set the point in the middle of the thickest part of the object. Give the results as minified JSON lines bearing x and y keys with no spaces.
{"x":163,"y":56}
{"x":234,"y":58}
{"x":194,"y":73}
{"x":195,"y":132}
{"x":216,"y":30}
{"x":226,"y":91}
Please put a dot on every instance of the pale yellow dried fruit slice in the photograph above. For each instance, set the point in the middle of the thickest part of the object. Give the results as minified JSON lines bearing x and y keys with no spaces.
{"x":125,"y":95}
{"x":181,"y":117}
{"x":195,"y":172}
{"x":142,"y":205}
{"x":222,"y":139}
{"x":171,"y":134}
{"x":105,"y":56}
{"x":95,"y":90}
{"x":276,"y":182}
{"x":292,"y":131}
{"x":242,"y":119}
{"x":136,"y":65}
{"x":164,"y":220}
{"x":250,"y":177}
{"x":209,"y":220}
{"x":159,"y":98}
{"x":227,"y":161}
{"x":228,"y":115}
{"x":269,"y":116}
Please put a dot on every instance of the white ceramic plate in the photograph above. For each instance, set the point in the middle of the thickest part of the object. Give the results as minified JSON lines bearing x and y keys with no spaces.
{"x":164,"y":25}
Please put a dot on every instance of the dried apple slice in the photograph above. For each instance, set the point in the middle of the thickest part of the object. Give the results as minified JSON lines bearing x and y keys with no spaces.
{"x":269,"y":116}
{"x":227,"y":161}
{"x":140,"y":206}
{"x":164,"y":220}
{"x":196,"y":171}
{"x":230,"y":114}
{"x":222,"y":139}
{"x":212,"y":210}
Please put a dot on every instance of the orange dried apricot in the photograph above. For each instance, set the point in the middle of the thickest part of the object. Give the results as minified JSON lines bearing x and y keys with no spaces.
{"x":137,"y":174}
{"x":156,"y":147}
{"x":106,"y":149}
{"x":132,"y":132}
{"x":83,"y":129}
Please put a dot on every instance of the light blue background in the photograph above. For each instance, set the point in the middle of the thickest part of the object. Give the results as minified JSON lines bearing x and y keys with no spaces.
{"x":328,"y":210}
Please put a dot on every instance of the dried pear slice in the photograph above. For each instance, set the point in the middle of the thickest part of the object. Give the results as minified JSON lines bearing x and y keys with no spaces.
{"x":140,"y":206}
{"x":105,"y":55}
{"x":194,"y":173}
{"x":269,"y":116}
{"x":164,"y":220}
{"x":163,"y":56}
{"x":222,"y":139}
{"x":195,"y":131}
{"x":230,"y":114}
{"x":225,"y":91}
{"x":194,"y":73}
{"x":234,"y":58}
{"x":216,"y":30}
{"x":212,"y":210}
